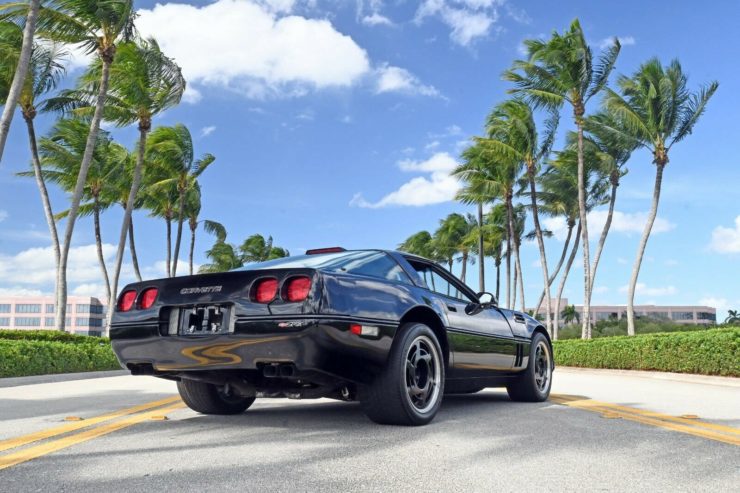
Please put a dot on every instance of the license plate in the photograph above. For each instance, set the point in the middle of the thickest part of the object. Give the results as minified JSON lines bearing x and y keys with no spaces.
{"x":204,"y":320}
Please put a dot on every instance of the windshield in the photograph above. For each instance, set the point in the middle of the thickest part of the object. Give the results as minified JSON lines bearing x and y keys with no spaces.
{"x":363,"y":262}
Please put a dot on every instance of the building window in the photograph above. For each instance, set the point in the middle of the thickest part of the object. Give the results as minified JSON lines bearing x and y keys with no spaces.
{"x":657,"y":315}
{"x":97,"y":309}
{"x":89,"y":322}
{"x":27,"y":322}
{"x":4,"y":322}
{"x":28,"y":308}
{"x":83,"y":309}
{"x":4,"y":308}
{"x":683,"y":316}
{"x":712,"y":317}
{"x":49,"y":308}
{"x":49,"y":322}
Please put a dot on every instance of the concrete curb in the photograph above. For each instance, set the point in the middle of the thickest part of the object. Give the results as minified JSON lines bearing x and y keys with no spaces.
{"x":59,"y":377}
{"x":658,"y":375}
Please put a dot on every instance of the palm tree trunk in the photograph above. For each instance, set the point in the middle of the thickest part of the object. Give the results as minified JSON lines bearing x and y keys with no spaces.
{"x":521,"y":276}
{"x":586,"y":326}
{"x":19,"y":78}
{"x":192,"y":248}
{"x":132,"y":248}
{"x":604,"y":233}
{"x":92,"y":137}
{"x":99,"y":245}
{"x":481,"y":251}
{"x":464,"y":271}
{"x":516,"y":283}
{"x":541,"y":244}
{"x":135,"y":183}
{"x":564,"y":277}
{"x":178,"y":238}
{"x":641,"y":250}
{"x":498,"y":278}
{"x":168,"y":222}
{"x":558,"y":267}
{"x":510,"y":234}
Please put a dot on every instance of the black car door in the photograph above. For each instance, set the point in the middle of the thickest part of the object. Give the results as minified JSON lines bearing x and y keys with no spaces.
{"x":481,"y":340}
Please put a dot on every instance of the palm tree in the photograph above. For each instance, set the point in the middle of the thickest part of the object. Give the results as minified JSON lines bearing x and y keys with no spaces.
{"x":97,"y":27}
{"x":420,"y":244}
{"x":258,"y":249}
{"x":733,"y":317}
{"x":450,"y":240}
{"x":495,"y":231}
{"x":569,"y":314}
{"x":44,"y":73}
{"x":223,"y":255}
{"x":656,"y":110}
{"x":12,"y":95}
{"x":60,"y":156}
{"x":513,"y":134}
{"x":119,"y":189}
{"x":558,"y":71}
{"x":161,"y":202}
{"x":171,"y":148}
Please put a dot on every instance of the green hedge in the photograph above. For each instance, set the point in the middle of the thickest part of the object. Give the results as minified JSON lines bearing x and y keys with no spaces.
{"x":20,"y":358}
{"x":51,"y":336}
{"x":707,"y":352}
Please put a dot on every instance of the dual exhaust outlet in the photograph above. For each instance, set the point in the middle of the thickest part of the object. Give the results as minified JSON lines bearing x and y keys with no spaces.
{"x":279,"y":370}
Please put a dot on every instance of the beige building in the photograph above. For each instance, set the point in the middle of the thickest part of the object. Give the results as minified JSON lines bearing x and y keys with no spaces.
{"x":687,"y":314}
{"x":85,"y":315}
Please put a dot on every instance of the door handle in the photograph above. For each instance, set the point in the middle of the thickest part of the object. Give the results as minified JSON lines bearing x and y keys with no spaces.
{"x":452,"y":308}
{"x":519,"y":318}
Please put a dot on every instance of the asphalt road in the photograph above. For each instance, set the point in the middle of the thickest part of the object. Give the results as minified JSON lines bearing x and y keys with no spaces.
{"x":601,"y":431}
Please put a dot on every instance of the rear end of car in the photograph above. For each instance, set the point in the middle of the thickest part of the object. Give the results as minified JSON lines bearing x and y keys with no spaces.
{"x":254,"y":325}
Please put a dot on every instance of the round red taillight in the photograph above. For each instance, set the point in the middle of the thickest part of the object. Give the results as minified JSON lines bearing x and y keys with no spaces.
{"x":265,"y":290}
{"x":148,"y":297}
{"x":297,"y":288}
{"x":126,"y":301}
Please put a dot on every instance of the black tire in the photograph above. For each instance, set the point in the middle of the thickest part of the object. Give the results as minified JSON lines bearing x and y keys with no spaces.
{"x":409,"y":389}
{"x":534,"y":384}
{"x":207,"y":398}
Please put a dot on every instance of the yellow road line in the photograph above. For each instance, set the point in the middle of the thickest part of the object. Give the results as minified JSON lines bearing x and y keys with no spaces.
{"x":665,"y":421}
{"x":15,"y":458}
{"x":77,"y":425}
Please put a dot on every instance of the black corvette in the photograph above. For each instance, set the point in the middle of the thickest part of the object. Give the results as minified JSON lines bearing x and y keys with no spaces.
{"x":392,"y":330}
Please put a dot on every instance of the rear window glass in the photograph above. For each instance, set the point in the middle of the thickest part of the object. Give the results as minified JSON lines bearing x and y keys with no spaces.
{"x":365,"y":263}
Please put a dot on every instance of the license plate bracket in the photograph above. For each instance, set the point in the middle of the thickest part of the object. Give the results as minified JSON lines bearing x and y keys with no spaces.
{"x":205,"y":320}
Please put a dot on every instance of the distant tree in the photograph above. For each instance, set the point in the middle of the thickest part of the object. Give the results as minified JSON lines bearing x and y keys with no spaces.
{"x":569,"y":314}
{"x":733,"y":317}
{"x":420,"y":244}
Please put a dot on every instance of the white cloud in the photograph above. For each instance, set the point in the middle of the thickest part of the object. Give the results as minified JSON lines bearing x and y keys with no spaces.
{"x":721,"y":304}
{"x":376,"y":19}
{"x":601,"y":289}
{"x":90,"y":289}
{"x":206,"y":131}
{"x":254,"y":48}
{"x":432,"y":145}
{"x":467,"y":19}
{"x":726,"y":240}
{"x":419,"y":191}
{"x":642,"y":289}
{"x":623,"y":40}
{"x":622,"y":222}
{"x":3,"y":215}
{"x":19,"y":291}
{"x":397,"y":79}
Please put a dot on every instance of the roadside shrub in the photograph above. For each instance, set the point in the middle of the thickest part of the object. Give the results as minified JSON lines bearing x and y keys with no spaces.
{"x":51,"y":336}
{"x":608,"y":328}
{"x":20,"y":358}
{"x":706,"y":352}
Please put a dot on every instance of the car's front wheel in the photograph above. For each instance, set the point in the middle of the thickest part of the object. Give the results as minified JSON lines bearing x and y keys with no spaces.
{"x":409,"y":390}
{"x":534,"y":384}
{"x":207,"y":398}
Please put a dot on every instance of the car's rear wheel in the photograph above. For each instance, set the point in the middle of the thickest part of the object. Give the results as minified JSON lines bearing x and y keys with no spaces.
{"x":207,"y":398}
{"x":534,"y":384}
{"x":409,"y":390}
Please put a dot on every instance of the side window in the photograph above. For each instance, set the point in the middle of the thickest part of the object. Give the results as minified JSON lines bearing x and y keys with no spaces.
{"x":377,"y":264}
{"x":439,"y":284}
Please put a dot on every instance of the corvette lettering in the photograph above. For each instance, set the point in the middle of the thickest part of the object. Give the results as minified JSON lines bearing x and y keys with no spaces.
{"x":201,"y":290}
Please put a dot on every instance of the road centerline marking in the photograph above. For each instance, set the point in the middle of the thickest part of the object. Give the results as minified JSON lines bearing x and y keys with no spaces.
{"x":36,"y":451}
{"x":15,"y":442}
{"x":701,"y":429}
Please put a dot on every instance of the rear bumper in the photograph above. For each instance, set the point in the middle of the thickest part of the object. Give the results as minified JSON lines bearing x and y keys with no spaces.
{"x":318,"y":345}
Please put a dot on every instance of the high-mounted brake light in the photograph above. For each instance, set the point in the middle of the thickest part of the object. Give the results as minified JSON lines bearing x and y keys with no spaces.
{"x":297,"y":288}
{"x":265,"y":290}
{"x":148,"y":297}
{"x":316,"y":251}
{"x":126,"y":301}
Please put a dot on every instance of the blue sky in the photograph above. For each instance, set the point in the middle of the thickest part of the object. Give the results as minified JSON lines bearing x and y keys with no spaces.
{"x":334,"y":122}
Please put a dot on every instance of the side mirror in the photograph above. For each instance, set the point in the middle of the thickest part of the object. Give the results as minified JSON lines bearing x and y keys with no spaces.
{"x":487,"y":299}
